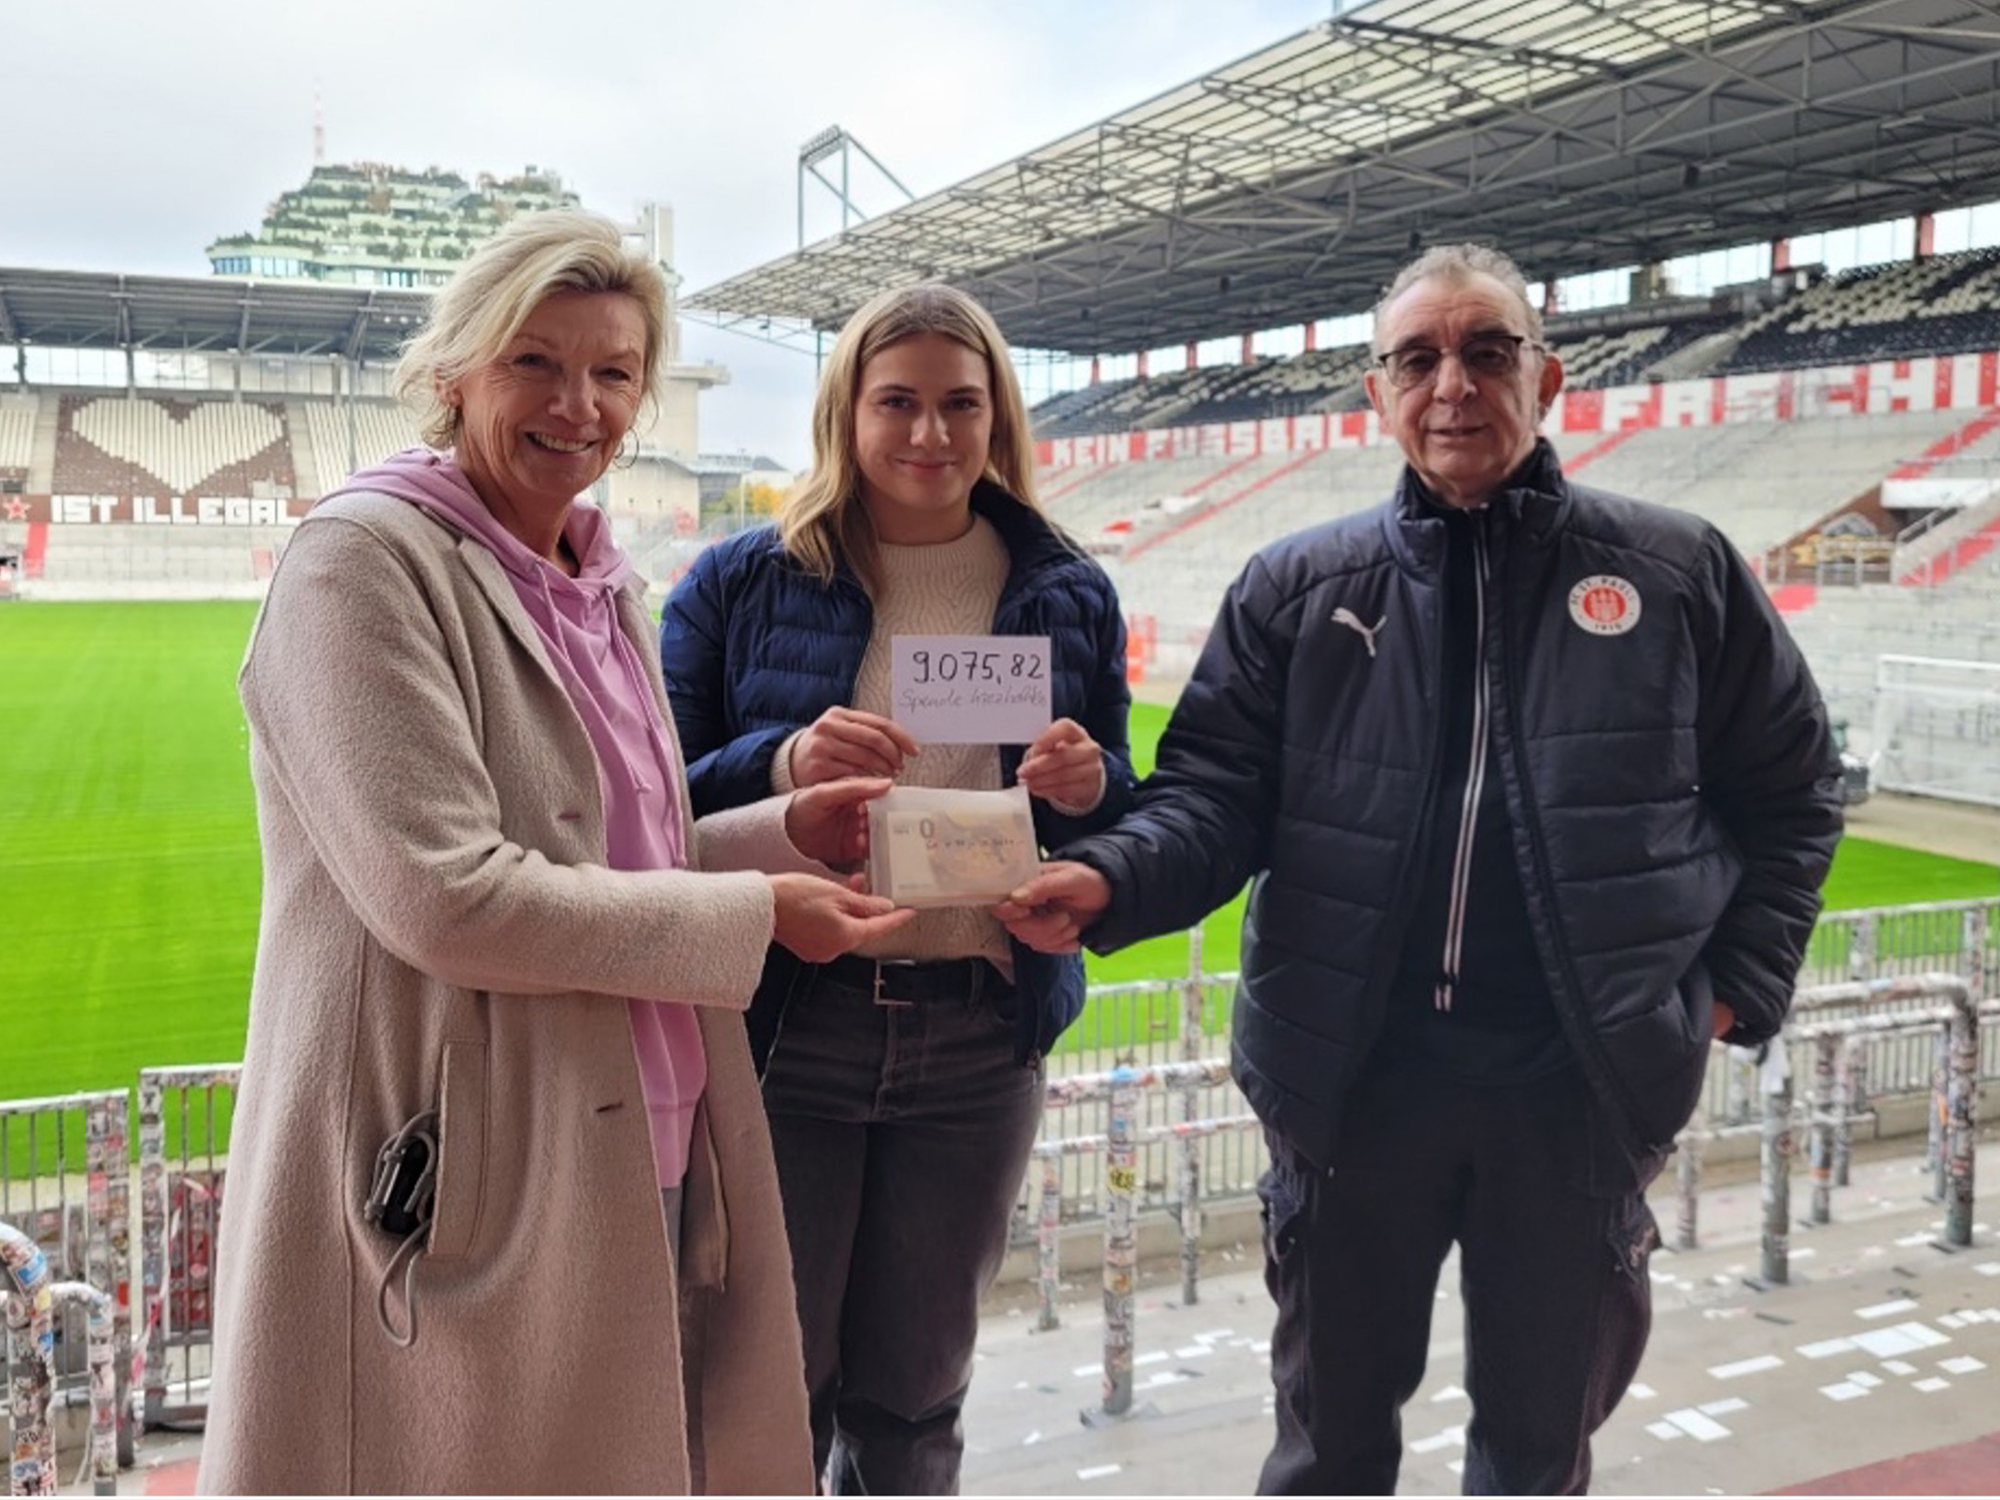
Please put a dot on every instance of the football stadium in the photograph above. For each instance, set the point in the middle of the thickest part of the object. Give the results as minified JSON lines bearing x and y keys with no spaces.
{"x":1196,"y":274}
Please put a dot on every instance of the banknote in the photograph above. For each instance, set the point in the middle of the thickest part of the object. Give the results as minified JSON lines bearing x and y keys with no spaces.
{"x":932,"y":847}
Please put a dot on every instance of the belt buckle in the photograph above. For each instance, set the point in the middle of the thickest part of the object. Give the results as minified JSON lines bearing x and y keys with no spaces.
{"x":883,"y":1000}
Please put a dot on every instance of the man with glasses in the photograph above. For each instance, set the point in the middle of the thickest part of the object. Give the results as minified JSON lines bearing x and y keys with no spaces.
{"x":1537,"y":795}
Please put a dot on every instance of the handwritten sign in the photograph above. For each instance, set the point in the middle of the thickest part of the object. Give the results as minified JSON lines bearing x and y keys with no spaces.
{"x":971,"y":689}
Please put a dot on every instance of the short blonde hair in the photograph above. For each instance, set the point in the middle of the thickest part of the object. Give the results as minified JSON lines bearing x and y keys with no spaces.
{"x":1458,"y":264}
{"x":822,"y":520}
{"x":499,"y":287}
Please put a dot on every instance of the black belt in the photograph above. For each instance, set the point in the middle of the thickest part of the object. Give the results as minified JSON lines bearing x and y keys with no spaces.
{"x":902,"y":981}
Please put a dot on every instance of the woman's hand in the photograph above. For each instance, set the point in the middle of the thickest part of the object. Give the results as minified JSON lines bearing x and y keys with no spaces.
{"x":829,"y":822}
{"x":1064,"y":765}
{"x":847,"y":742}
{"x":820,"y":920}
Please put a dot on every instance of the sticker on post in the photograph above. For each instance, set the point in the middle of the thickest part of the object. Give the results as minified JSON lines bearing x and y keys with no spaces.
{"x":970,"y":689}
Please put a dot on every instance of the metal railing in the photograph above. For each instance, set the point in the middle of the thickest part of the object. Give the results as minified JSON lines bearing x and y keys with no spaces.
{"x":1833,"y":1030}
{"x":180,"y":1207}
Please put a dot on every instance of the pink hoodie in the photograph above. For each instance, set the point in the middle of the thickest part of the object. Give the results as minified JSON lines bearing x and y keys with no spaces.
{"x":637,"y":766}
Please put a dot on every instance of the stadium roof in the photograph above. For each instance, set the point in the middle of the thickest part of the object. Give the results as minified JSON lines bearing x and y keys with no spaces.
{"x":91,"y":310}
{"x":1576,"y":134}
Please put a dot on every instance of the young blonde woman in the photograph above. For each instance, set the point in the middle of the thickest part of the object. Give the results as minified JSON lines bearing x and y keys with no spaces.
{"x":903,"y":1083}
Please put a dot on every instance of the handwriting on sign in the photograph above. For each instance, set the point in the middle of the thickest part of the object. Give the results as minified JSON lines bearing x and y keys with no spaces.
{"x":971,"y":689}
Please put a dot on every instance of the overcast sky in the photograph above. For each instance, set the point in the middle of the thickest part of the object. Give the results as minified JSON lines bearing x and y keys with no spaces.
{"x":141,"y":130}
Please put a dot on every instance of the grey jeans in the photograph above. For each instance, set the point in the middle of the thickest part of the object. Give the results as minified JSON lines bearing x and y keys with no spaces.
{"x":902,"y":1135}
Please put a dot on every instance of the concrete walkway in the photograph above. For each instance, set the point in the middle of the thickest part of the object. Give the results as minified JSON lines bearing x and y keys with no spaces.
{"x":1882,"y":1346}
{"x":1876,"y":1370}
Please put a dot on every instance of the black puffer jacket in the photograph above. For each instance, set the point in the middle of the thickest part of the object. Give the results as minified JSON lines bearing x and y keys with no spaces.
{"x":1670,"y":775}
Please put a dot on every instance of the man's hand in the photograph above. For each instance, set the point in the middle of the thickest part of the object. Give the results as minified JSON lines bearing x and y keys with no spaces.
{"x":820,"y":920}
{"x":1064,"y":765}
{"x":829,"y":822}
{"x":847,"y":742}
{"x":1051,"y":911}
{"x":1725,"y":1018}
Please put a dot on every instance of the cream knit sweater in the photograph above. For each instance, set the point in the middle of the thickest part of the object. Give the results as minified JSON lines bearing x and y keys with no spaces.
{"x":944,"y":588}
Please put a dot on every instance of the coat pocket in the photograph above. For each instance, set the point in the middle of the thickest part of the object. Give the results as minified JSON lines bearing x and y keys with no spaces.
{"x":461,"y":1180}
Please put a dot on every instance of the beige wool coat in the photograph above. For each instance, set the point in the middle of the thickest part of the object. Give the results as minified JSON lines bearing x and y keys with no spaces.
{"x":439,"y":931}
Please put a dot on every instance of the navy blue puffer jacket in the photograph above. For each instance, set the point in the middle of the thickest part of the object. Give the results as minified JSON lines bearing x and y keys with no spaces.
{"x":1670,"y":778}
{"x":754,"y":647}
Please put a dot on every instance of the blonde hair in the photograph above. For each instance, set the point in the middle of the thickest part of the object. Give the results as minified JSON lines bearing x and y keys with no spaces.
{"x":823,"y":520}
{"x":498,"y":289}
{"x":1458,"y":264}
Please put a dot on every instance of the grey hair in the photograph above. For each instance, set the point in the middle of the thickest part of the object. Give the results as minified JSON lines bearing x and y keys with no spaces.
{"x":1457,"y":264}
{"x":498,"y":289}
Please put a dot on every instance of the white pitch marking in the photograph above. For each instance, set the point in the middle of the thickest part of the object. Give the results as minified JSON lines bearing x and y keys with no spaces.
{"x":1702,"y":1429}
{"x":1032,"y":1438}
{"x":1213,"y":1334}
{"x":1098,"y":1471}
{"x":1847,"y":1390}
{"x":1640,"y":1391}
{"x":1666,"y":1432}
{"x":1723,"y":1407}
{"x":1930,"y":1386}
{"x":1953,"y":1320}
{"x":1898,"y":1367}
{"x":1154,"y":1357}
{"x":1449,"y":1393}
{"x":1864,"y":1379}
{"x":1193,"y":1351}
{"x":1084,"y":1372}
{"x":1887,"y":1309}
{"x":1988,"y":1268}
{"x":1910,"y":1241}
{"x":1826,"y":1347}
{"x":1904,"y":1338}
{"x":1456,"y":1466}
{"x":1745,"y":1367}
{"x":1965,"y":1364}
{"x":1443,"y":1439}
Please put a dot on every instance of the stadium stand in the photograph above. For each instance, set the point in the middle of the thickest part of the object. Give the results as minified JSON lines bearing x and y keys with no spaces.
{"x":1761,"y":482}
{"x":379,"y":429}
{"x":159,"y":562}
{"x":1157,"y":401}
{"x":1067,"y":413}
{"x":1137,"y":494}
{"x":151,"y":444}
{"x":1181,"y":580}
{"x":1330,"y":380}
{"x":17,"y":435}
{"x":1599,"y":361}
{"x":1943,"y":304}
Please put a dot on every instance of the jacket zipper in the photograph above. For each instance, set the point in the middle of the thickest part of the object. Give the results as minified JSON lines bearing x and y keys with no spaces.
{"x":1475,"y":783}
{"x":1407,"y":874}
{"x":1537,"y":882}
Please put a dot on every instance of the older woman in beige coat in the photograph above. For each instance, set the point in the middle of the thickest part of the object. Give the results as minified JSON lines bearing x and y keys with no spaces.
{"x":449,"y":752}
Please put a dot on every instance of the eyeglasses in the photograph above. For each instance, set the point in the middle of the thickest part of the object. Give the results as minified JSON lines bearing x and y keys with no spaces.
{"x":1490,"y":356}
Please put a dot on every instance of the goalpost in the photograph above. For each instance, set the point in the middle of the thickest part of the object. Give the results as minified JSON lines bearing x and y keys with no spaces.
{"x":1937,"y":728}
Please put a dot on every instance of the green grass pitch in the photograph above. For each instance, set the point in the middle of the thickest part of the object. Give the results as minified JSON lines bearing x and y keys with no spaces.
{"x":128,"y":856}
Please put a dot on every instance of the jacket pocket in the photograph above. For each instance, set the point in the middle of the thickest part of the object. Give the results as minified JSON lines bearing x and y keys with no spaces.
{"x":461,"y":1180}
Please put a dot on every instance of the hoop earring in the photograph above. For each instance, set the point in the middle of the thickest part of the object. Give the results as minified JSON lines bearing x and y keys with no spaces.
{"x":627,"y":457}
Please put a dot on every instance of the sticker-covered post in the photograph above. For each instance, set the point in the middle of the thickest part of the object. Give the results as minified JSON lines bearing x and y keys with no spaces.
{"x":1121,"y":1240}
{"x":25,"y":1287}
